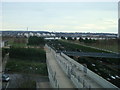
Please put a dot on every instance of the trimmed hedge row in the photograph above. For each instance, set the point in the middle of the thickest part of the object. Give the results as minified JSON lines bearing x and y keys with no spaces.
{"x":4,"y":51}
{"x":34,"y":40}
{"x":28,"y":54}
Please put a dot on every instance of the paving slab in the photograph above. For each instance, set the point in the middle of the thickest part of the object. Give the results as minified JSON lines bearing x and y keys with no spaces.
{"x":63,"y":80}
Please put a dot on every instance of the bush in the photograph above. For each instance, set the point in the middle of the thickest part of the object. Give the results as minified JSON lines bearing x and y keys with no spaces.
{"x":69,"y":38}
{"x":63,"y":37}
{"x":4,"y":51}
{"x":28,"y":54}
{"x":81,"y":39}
{"x":34,"y":40}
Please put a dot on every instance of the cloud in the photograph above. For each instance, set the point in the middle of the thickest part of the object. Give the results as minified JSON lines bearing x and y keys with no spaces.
{"x":10,"y":26}
{"x":78,"y":28}
{"x":110,"y":22}
{"x":53,"y":26}
{"x":90,"y":26}
{"x":60,"y":0}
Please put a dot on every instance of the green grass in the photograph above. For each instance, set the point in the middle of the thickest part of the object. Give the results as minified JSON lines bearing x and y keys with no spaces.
{"x":111,"y":45}
{"x":15,"y":41}
{"x":26,"y":66}
{"x":18,"y":45}
{"x":74,"y":47}
{"x":33,"y":54}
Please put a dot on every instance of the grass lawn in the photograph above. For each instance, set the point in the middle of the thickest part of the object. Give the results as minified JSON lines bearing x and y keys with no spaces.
{"x":30,"y":54}
{"x":111,"y":46}
{"x":19,"y":45}
{"x":74,"y":47}
{"x":26,"y":66}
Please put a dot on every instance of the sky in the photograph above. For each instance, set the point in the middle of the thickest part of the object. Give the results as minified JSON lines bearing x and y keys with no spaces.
{"x":95,"y":17}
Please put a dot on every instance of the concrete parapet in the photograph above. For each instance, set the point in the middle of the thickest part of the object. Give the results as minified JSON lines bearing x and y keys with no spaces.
{"x":75,"y":71}
{"x":98,"y":79}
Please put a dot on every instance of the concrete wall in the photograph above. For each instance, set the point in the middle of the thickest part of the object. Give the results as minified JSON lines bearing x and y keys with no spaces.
{"x":101,"y":81}
{"x":77,"y":80}
{"x":67,"y":68}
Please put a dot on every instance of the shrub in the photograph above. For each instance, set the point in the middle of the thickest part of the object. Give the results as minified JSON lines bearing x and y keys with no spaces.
{"x":34,"y":40}
{"x":28,"y":54}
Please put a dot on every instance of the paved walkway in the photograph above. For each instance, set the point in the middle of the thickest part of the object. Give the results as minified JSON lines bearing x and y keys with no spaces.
{"x":63,"y":80}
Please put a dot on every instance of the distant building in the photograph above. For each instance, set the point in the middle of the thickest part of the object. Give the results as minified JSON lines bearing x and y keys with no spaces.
{"x":3,"y":44}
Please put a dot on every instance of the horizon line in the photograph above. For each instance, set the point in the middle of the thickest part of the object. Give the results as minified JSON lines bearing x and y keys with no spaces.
{"x":56,"y":31}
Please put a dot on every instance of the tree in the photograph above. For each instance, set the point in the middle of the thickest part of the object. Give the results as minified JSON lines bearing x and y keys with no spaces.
{"x":90,"y":40}
{"x":69,"y":38}
{"x":86,"y":40}
{"x":75,"y":38}
{"x":81,"y":39}
{"x":62,"y":37}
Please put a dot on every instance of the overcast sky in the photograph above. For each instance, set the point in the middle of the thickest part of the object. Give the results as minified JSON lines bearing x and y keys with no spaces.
{"x":61,"y":16}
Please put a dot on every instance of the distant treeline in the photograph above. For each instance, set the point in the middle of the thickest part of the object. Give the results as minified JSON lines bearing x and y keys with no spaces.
{"x":28,"y":54}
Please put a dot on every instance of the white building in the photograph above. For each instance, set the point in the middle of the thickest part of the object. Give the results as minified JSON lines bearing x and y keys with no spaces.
{"x":3,"y":44}
{"x":26,"y":34}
